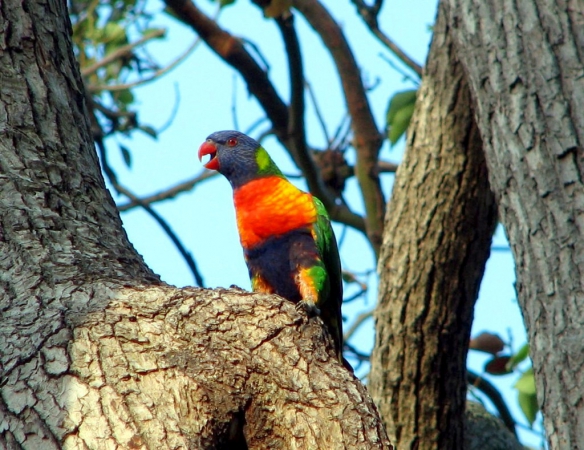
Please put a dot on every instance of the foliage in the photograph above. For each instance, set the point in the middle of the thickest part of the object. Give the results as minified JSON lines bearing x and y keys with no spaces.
{"x":107,"y":38}
{"x":399,"y":113}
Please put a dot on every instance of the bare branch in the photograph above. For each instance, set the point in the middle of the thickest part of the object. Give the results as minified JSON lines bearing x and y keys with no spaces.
{"x":387,"y":167}
{"x":172,"y":192}
{"x":495,"y":397}
{"x":367,"y":138}
{"x":154,"y":76}
{"x":361,"y":318}
{"x":296,"y":126}
{"x":369,"y":16}
{"x":399,"y":70}
{"x":233,"y":52}
{"x":317,"y":111}
{"x":192,"y":265}
{"x":121,"y":52}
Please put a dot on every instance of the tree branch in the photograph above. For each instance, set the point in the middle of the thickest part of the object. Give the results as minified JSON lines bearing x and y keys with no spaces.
{"x":191,"y":264}
{"x":232,"y":51}
{"x":157,"y":74}
{"x":369,"y":15}
{"x":121,"y":52}
{"x":367,"y":139}
{"x":495,"y":397}
{"x":296,"y":135}
{"x":172,"y":192}
{"x":317,"y":112}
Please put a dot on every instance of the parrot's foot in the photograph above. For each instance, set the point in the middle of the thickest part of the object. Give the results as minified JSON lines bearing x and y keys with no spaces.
{"x":309,"y":308}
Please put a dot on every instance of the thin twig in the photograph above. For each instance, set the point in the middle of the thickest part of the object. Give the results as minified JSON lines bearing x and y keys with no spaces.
{"x":172,"y":192}
{"x":121,"y":52}
{"x":361,"y":318}
{"x":174,"y":111}
{"x":255,"y":124}
{"x":355,"y":296}
{"x":341,"y":132}
{"x":369,"y":15}
{"x":360,"y":356}
{"x":387,"y":167}
{"x":398,"y":52}
{"x":367,"y":139}
{"x":110,"y":113}
{"x":318,"y":112}
{"x":234,"y":102}
{"x":398,"y":69}
{"x":168,"y":230}
{"x":154,"y":76}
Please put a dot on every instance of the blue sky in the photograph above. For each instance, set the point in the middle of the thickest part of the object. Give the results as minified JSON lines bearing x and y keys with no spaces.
{"x":204,"y":218}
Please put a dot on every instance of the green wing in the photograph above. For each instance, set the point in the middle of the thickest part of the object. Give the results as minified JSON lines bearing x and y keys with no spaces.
{"x":331,"y":297}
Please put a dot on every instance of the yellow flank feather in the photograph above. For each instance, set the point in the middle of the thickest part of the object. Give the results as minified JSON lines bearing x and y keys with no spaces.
{"x":306,"y":286}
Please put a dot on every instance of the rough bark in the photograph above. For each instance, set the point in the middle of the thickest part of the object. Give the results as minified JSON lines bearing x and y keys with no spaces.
{"x":96,"y":352}
{"x":437,"y":236}
{"x":160,"y":367}
{"x":525,"y":65}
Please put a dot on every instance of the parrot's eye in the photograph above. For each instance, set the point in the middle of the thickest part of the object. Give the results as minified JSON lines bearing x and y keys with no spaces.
{"x":232,"y":142}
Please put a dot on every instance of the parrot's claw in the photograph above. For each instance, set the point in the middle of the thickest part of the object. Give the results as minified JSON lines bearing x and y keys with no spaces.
{"x":309,"y":308}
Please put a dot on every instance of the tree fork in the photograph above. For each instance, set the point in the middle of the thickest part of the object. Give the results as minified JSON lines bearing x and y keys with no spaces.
{"x":96,"y":352}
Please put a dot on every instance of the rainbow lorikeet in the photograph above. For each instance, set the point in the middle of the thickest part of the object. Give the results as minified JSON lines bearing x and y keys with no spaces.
{"x":287,"y":239}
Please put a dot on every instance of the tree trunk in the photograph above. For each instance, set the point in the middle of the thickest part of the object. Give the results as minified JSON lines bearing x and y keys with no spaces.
{"x":525,"y":68}
{"x":436,"y":242}
{"x":96,"y":352}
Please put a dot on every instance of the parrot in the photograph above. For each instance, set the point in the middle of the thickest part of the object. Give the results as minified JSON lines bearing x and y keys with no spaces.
{"x":288,"y":242}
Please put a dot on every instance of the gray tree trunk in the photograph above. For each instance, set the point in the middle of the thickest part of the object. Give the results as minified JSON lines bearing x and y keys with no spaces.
{"x":95,"y":352}
{"x":525,"y":66}
{"x":437,"y":237}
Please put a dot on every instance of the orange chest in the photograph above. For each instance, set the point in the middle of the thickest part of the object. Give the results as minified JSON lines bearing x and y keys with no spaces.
{"x":269,"y":207}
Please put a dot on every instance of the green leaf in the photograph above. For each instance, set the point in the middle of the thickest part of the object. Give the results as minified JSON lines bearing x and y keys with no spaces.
{"x":113,"y":33}
{"x":127,"y":156}
{"x":399,"y":113}
{"x":518,"y":357}
{"x":124,"y":96}
{"x":526,"y":383}
{"x":528,"y":404}
{"x":149,"y":131}
{"x":223,"y":3}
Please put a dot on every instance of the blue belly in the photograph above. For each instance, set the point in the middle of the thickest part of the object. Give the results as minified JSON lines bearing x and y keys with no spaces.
{"x":278,"y":259}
